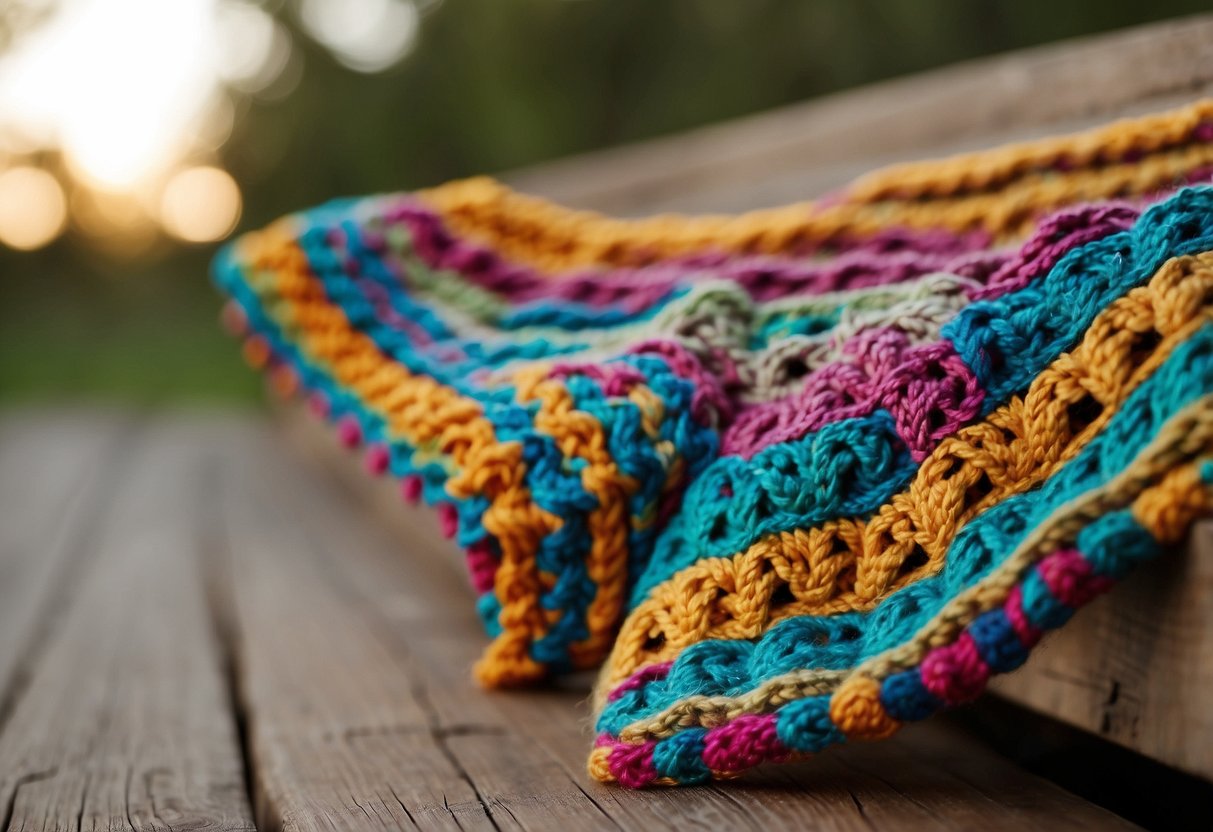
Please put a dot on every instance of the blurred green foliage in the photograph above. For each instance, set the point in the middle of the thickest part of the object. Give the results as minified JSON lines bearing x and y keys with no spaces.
{"x":491,"y":85}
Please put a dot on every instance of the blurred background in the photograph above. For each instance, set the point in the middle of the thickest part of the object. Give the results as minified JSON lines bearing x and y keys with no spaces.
{"x":136,"y":135}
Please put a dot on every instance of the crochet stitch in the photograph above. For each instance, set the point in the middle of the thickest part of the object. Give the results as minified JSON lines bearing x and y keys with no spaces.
{"x":836,"y":462}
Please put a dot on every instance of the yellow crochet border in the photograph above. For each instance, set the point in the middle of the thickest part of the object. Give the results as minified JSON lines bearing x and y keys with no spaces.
{"x":1000,"y":190}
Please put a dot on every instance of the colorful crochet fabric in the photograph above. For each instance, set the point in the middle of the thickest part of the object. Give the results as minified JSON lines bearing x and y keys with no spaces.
{"x":807,"y":473}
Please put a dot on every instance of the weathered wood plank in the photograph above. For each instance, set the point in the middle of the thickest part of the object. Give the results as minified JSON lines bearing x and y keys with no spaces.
{"x":403,"y":625}
{"x":343,"y":736}
{"x":419,"y":525}
{"x":1136,"y":667}
{"x":123,"y":719}
{"x":797,"y":152}
{"x":52,"y":469}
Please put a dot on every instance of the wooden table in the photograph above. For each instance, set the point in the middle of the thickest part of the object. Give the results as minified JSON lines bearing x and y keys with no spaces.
{"x":199,"y":630}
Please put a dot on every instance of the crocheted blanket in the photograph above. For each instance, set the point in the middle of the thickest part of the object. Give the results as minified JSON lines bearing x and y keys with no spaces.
{"x":800,"y":475}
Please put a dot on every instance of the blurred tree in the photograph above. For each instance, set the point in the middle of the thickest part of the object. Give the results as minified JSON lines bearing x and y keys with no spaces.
{"x":490,"y":85}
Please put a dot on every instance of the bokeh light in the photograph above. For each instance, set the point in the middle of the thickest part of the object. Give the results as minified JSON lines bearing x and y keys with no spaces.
{"x":130,"y":103}
{"x":117,"y":85}
{"x":33,"y":209}
{"x":365,"y":35}
{"x":200,"y":205}
{"x":253,"y":48}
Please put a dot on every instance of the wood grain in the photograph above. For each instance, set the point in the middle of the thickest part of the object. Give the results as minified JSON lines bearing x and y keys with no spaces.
{"x":402,"y":621}
{"x":52,"y":467}
{"x":1136,"y":667}
{"x":119,"y":717}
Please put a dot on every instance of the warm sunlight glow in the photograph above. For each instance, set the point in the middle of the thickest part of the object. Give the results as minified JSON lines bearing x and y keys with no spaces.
{"x":33,"y":209}
{"x":200,"y":205}
{"x":116,"y":83}
{"x":123,"y":87}
{"x":130,"y":102}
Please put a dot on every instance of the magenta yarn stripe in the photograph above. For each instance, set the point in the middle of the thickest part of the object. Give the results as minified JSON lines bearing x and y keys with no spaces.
{"x":1061,"y":233}
{"x":841,"y":390}
{"x":638,"y":288}
{"x":882,"y":370}
{"x":889,"y":256}
{"x":905,"y":382}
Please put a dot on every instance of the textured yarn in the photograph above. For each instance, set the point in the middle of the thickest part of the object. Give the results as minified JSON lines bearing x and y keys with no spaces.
{"x":798,"y":475}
